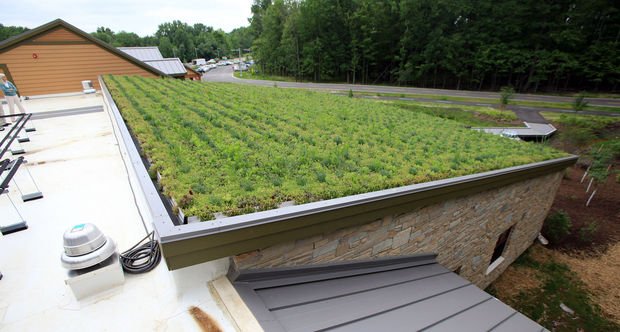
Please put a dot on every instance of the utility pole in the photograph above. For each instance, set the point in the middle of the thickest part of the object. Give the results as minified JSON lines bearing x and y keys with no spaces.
{"x":240,"y":71}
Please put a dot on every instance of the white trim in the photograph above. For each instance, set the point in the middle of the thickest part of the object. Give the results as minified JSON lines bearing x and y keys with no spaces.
{"x":495,"y":264}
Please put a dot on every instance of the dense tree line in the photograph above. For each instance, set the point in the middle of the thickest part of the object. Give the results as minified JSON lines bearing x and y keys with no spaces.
{"x":532,"y":45}
{"x":178,"y":39}
{"x":174,"y":39}
{"x":10,"y":31}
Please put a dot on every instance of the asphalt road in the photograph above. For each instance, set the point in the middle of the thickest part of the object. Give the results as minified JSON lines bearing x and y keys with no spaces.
{"x":224,"y":74}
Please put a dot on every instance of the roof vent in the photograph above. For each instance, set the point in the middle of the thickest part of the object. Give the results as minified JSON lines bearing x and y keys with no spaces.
{"x":88,"y":87}
{"x":85,"y":246}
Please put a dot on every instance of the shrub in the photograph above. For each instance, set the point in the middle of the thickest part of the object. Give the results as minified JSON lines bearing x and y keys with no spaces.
{"x":578,"y":136}
{"x":586,"y":233}
{"x":350,"y":93}
{"x":506,"y":94}
{"x":557,"y":226}
{"x":580,"y":103}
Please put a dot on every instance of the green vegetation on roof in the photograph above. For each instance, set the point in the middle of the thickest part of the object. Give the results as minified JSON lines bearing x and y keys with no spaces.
{"x":236,"y":149}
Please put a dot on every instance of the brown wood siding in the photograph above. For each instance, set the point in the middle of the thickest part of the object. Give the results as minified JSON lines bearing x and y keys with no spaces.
{"x":61,"y":68}
{"x":60,"y":34}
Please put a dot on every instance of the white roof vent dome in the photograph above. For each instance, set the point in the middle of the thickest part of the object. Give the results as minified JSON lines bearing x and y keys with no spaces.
{"x":85,"y":245}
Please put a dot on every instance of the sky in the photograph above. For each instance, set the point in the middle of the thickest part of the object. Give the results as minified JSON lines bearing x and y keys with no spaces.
{"x":139,"y":16}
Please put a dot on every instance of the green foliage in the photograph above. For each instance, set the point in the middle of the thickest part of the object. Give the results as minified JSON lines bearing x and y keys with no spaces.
{"x":10,"y":31}
{"x":557,"y":226}
{"x":178,"y":39}
{"x":251,"y":149}
{"x":506,"y":94}
{"x":350,"y":93}
{"x":586,"y":233}
{"x":603,"y":155}
{"x":468,"y":115}
{"x":531,"y":45}
{"x":580,"y":103}
{"x":577,"y":135}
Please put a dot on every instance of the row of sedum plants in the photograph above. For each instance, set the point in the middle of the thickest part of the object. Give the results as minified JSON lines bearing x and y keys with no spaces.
{"x":235,"y":149}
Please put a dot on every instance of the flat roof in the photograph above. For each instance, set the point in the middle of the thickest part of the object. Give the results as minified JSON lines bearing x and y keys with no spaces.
{"x":408,"y":293}
{"x":74,"y":157}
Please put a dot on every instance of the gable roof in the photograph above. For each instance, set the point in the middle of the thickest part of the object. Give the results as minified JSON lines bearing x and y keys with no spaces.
{"x":143,"y":53}
{"x":32,"y":33}
{"x":191,"y":69}
{"x":403,"y":293}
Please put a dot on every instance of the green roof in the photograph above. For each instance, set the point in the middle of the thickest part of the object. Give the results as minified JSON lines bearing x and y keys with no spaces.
{"x":234,"y":149}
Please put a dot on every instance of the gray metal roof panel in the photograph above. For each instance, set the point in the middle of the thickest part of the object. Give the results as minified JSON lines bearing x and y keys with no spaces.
{"x":170,"y":66}
{"x":146,"y":53}
{"x":481,"y":317}
{"x":423,"y":314}
{"x":392,"y":294}
{"x":518,"y":323}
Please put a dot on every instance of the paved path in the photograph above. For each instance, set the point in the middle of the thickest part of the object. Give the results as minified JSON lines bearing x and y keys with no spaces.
{"x":530,"y":131}
{"x":224,"y":74}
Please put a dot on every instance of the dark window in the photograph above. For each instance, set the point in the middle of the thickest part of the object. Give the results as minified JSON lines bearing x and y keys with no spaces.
{"x":500,"y":245}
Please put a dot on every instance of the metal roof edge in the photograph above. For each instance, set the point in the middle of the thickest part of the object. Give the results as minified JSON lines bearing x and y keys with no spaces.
{"x":186,"y":245}
{"x":13,"y":41}
{"x":162,"y":222}
{"x":353,"y":267}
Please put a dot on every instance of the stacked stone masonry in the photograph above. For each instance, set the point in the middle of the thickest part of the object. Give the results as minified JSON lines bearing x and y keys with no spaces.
{"x":462,"y":231}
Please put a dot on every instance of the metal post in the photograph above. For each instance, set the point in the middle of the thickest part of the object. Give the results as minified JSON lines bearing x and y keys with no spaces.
{"x":240,"y":71}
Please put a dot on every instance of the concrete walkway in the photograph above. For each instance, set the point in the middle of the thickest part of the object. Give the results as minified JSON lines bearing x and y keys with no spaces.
{"x":530,"y":131}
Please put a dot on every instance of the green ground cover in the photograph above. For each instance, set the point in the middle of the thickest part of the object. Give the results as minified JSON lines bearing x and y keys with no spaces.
{"x":252,"y":75}
{"x":474,"y":116}
{"x":540,"y":104}
{"x":236,"y":149}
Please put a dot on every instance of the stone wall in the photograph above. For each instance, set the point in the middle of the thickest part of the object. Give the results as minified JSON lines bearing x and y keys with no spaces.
{"x":462,"y":231}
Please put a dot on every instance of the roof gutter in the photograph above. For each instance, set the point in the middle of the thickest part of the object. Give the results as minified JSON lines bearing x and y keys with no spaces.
{"x":191,"y":244}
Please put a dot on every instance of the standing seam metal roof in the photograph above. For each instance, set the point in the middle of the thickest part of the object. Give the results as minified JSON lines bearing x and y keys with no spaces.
{"x":146,"y":53}
{"x":394,"y":294}
{"x":170,"y":66}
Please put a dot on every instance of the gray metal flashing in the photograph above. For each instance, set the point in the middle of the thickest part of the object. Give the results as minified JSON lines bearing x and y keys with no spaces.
{"x":67,"y":112}
{"x":152,"y":204}
{"x":386,"y":295}
{"x":186,"y":245}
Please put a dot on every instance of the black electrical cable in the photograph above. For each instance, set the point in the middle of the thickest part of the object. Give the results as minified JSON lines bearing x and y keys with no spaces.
{"x":142,"y":257}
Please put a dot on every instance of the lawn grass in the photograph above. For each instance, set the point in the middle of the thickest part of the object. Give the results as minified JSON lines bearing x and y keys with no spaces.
{"x":555,"y":284}
{"x":234,"y":149}
{"x":251,"y":75}
{"x":577,"y":132}
{"x":473,"y":116}
{"x":538,"y":104}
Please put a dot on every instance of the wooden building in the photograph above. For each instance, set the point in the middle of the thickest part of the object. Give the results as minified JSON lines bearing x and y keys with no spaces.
{"x":56,"y":57}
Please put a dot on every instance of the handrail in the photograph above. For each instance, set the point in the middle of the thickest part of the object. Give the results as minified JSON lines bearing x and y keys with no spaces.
{"x":19,"y":125}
